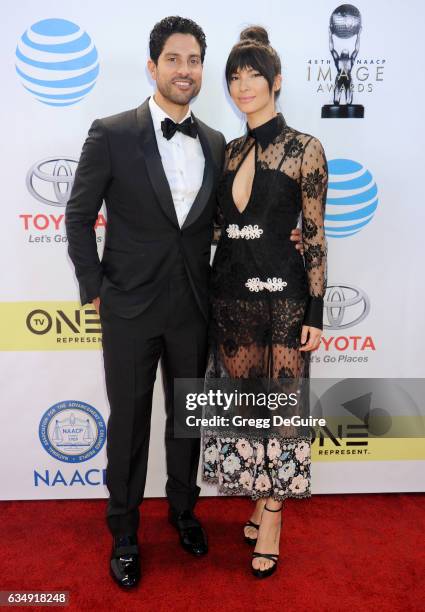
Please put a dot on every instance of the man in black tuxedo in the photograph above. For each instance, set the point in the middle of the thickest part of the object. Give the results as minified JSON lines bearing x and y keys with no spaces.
{"x":156,"y":167}
{"x":158,"y":180}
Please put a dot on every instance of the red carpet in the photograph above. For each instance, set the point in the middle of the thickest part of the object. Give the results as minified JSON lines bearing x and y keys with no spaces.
{"x":345,"y":552}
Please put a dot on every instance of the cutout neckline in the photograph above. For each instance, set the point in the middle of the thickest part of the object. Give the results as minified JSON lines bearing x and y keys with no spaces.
{"x":252,"y":146}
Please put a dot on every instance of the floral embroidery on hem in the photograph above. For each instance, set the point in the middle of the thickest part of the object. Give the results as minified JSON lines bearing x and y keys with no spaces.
{"x":278,"y":467}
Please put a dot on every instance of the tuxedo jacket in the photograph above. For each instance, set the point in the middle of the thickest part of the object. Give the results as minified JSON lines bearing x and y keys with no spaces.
{"x":121,"y":165}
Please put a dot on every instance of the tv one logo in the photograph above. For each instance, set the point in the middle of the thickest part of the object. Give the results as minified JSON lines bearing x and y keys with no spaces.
{"x":50,"y":180}
{"x":67,"y":325}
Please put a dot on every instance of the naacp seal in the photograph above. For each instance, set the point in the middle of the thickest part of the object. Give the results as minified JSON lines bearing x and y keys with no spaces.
{"x":72,"y":431}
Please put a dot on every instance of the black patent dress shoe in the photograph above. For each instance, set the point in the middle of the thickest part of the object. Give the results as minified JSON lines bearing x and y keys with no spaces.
{"x":125,"y":561}
{"x":192,"y":535}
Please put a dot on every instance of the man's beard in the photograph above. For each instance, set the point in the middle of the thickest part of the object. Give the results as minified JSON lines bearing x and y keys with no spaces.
{"x":170,"y":92}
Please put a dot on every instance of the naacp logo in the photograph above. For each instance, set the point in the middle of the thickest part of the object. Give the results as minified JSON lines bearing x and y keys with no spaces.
{"x":340,"y":73}
{"x":50,"y":180}
{"x":345,"y":306}
{"x":57,"y":62}
{"x":352,"y":198}
{"x":72,"y":431}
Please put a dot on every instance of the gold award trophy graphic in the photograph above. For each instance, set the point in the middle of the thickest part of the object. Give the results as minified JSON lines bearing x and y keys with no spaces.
{"x":345,"y":23}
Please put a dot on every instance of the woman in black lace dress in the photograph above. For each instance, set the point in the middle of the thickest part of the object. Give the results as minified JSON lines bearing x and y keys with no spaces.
{"x":267,"y":300}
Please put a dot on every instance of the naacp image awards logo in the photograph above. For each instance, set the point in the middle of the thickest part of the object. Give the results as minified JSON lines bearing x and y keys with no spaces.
{"x":341,"y":73}
{"x":72,"y":431}
{"x":57,"y":62}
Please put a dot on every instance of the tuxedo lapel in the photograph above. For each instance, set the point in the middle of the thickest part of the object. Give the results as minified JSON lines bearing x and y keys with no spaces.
{"x":154,"y":165}
{"x":206,"y":188}
{"x":157,"y":174}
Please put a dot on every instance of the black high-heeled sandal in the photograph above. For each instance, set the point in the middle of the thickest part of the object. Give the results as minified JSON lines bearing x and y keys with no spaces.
{"x":273,"y":557}
{"x":248,"y":540}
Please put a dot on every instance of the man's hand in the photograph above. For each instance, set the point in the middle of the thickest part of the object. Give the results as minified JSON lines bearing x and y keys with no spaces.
{"x":313,"y":334}
{"x":96,"y":304}
{"x":297,"y":238}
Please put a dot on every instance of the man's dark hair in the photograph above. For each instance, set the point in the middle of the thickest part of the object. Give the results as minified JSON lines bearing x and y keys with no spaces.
{"x":174,"y":25}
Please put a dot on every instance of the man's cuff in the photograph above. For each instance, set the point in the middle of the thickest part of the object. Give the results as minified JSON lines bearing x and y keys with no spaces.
{"x":90,"y":289}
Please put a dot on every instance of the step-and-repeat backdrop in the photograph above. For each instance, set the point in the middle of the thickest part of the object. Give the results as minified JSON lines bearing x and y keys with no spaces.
{"x":65,"y":64}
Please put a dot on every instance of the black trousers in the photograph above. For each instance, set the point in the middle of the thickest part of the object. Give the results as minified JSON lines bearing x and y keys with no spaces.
{"x":173,"y":331}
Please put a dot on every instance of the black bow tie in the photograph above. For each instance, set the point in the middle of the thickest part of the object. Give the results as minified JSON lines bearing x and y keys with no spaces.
{"x":187,"y":127}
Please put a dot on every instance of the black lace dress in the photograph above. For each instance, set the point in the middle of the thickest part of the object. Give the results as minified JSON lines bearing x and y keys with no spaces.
{"x":263,"y":291}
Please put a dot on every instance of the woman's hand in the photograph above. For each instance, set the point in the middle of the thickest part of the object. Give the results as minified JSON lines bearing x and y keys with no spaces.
{"x":313,"y":334}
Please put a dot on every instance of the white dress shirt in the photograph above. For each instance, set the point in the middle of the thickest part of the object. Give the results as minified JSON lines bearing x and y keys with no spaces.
{"x":183,"y":161}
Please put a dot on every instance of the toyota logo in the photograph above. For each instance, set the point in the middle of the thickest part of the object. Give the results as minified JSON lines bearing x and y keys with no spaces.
{"x":50,"y":180}
{"x":345,"y":306}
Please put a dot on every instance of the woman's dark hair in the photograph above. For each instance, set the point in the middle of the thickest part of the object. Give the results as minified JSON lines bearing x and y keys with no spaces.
{"x":174,"y":25}
{"x":254,"y":51}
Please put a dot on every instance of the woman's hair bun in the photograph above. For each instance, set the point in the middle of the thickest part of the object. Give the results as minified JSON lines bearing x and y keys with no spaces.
{"x":257,"y":33}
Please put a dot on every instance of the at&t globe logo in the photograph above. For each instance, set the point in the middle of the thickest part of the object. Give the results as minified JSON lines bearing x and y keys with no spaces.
{"x":72,"y":431}
{"x":352,"y":198}
{"x":57,"y":62}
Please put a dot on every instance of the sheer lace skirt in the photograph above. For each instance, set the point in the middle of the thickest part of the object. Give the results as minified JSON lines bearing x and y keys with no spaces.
{"x":257,"y":340}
